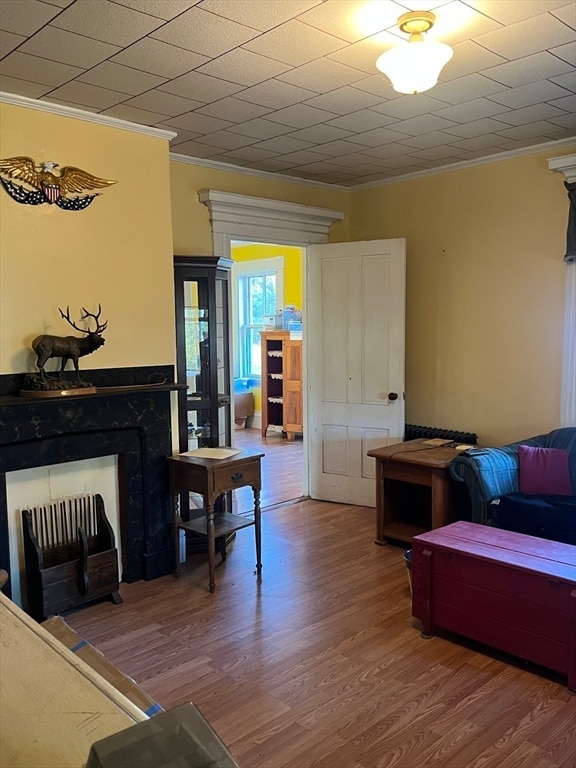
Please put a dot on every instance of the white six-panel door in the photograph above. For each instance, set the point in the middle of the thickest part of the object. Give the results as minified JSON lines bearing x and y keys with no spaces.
{"x":355,"y":363}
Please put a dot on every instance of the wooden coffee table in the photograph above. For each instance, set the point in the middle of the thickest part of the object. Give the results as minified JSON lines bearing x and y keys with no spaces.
{"x":417,"y":463}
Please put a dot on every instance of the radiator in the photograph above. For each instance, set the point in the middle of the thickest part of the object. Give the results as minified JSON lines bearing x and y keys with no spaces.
{"x":414,"y":431}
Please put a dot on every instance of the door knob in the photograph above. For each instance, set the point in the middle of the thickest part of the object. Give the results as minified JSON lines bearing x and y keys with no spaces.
{"x":392,"y":396}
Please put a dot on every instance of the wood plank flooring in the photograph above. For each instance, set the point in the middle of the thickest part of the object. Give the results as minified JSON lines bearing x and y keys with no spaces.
{"x":321,"y":665}
{"x":282,"y":468}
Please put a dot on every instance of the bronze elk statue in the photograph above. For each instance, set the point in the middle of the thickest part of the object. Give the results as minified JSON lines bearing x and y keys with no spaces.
{"x":69,"y":347}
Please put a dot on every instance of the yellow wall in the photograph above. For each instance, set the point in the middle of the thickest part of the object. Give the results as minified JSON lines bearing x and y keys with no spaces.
{"x":485,"y":292}
{"x":190,"y":218}
{"x":485,"y":278}
{"x":292,"y":266}
{"x":117,"y":252}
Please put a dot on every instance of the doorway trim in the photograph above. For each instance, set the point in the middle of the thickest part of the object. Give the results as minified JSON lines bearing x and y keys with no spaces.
{"x":263,"y":220}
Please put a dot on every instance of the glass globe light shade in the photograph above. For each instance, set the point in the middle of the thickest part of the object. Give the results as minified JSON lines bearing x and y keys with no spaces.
{"x":414,"y":66}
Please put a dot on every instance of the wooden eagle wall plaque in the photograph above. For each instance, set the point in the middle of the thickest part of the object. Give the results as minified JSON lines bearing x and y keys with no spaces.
{"x":42,"y":184}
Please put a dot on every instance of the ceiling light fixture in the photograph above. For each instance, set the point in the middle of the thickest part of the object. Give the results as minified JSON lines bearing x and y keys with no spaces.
{"x":414,"y":66}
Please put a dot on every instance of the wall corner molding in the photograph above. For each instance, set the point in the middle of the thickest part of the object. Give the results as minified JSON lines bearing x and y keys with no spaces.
{"x":566,"y":165}
{"x":88,"y":117}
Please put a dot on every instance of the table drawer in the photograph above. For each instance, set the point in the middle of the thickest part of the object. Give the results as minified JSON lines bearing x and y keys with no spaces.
{"x":228,"y":478}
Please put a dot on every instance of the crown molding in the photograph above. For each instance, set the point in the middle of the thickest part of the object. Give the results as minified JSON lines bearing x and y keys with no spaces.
{"x":87,"y":117}
{"x":566,"y":165}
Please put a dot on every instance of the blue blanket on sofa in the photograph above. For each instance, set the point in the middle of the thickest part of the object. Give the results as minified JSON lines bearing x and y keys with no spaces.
{"x":491,"y":475}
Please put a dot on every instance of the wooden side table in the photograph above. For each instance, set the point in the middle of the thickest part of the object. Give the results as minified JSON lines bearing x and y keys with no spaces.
{"x":416,"y":463}
{"x":211,"y":478}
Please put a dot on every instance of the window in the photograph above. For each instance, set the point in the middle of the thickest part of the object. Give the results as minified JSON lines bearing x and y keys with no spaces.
{"x":258,"y":292}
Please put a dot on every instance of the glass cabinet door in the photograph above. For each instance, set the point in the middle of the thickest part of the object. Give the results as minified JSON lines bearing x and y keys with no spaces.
{"x":201,"y":293}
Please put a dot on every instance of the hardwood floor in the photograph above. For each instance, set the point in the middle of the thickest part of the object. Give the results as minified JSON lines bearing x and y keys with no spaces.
{"x":321,"y":665}
{"x":282,"y":468}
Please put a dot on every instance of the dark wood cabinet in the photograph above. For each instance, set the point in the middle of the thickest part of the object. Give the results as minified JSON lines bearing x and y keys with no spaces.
{"x":203,"y":359}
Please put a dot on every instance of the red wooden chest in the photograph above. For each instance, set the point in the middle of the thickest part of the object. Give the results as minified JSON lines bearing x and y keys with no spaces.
{"x":512,"y":592}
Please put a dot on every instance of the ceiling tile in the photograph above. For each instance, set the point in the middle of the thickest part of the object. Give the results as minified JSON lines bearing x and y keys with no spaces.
{"x":163,"y":103}
{"x":432,"y":139}
{"x":261,"y":129}
{"x":87,"y":95}
{"x":299,"y":116}
{"x":409,"y":106}
{"x":339,"y":147}
{"x":226,"y":140}
{"x":566,"y":53}
{"x":466,"y":88}
{"x":68,"y":48}
{"x":275,"y":95}
{"x":472,"y":110}
{"x":194,"y":149}
{"x":251,"y":154}
{"x":512,"y":12}
{"x":242,"y":110}
{"x":529,"y":69}
{"x":159,"y":58}
{"x":344,"y":100}
{"x":530,"y":130}
{"x":531,"y":114}
{"x":159,"y":8}
{"x":352,"y":20}
{"x":567,"y":103}
{"x":269,"y":14}
{"x":200,"y":87}
{"x":133,"y":115}
{"x":377,"y":85}
{"x":526,"y":37}
{"x":363,"y":54}
{"x":283,"y":145}
{"x":107,"y":22}
{"x":244,"y":67}
{"x":202,"y":32}
{"x":476,"y":128}
{"x":422,"y":124}
{"x":243,"y":81}
{"x":526,"y":95}
{"x":469,"y":57}
{"x":23,"y":87}
{"x":320,"y":134}
{"x":8,"y":42}
{"x":25,"y":16}
{"x":200,"y":124}
{"x":363,"y":120}
{"x":294,"y":43}
{"x":300,"y":157}
{"x":124,"y":79}
{"x":25,"y":67}
{"x":322,"y":75}
{"x":567,"y":81}
{"x":379,"y":136}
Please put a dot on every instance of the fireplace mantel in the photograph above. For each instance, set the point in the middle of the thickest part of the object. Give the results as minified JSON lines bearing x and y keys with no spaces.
{"x":129,"y":416}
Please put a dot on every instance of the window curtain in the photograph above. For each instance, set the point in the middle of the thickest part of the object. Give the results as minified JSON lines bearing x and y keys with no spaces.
{"x":568,"y":391}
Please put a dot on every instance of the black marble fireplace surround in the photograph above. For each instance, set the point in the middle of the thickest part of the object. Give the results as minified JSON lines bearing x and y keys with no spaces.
{"x":128,"y":416}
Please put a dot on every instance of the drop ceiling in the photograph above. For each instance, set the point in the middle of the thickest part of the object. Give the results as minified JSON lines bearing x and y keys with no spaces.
{"x":291,"y":87}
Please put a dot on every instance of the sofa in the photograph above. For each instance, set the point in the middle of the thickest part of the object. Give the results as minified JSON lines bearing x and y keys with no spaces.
{"x":520,"y":488}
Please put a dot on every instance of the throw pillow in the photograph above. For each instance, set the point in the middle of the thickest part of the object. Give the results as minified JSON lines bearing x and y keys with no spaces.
{"x":544,"y":471}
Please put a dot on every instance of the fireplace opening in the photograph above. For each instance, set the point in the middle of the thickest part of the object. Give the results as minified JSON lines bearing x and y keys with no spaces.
{"x":129,"y":417}
{"x":46,"y":485}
